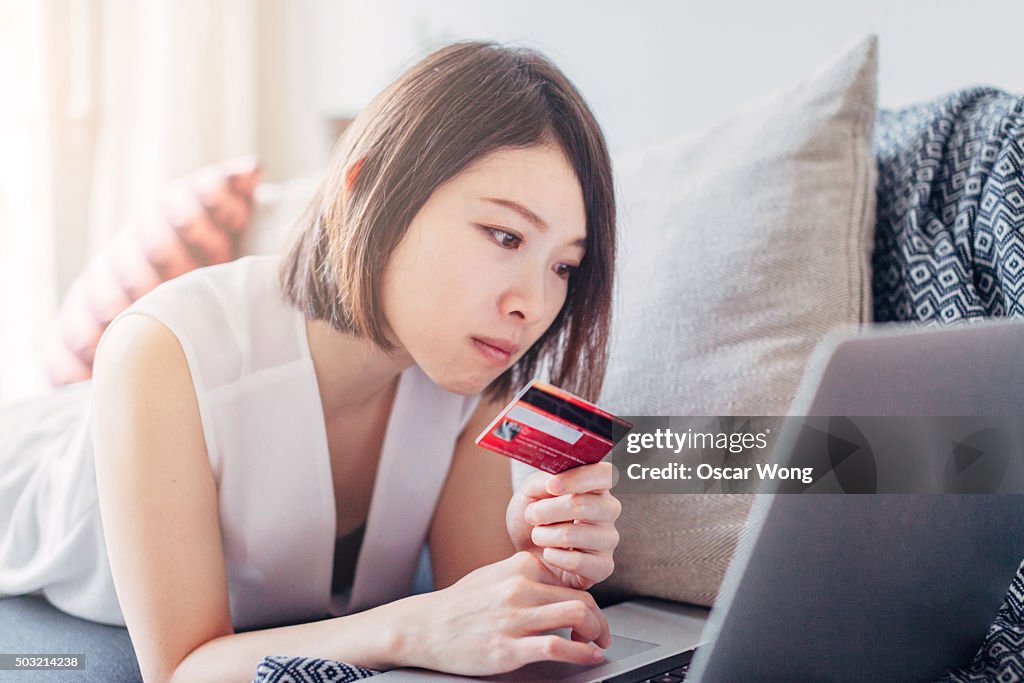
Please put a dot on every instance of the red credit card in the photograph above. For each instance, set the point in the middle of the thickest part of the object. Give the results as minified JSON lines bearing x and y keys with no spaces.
{"x":553,"y":430}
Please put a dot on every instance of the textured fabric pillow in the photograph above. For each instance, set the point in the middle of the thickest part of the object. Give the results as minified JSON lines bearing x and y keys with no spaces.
{"x":741,"y":249}
{"x":278,"y":669}
{"x":198,"y":223}
{"x":949,"y":244}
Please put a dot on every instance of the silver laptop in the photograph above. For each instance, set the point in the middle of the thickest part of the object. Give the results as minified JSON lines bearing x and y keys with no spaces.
{"x":848,"y":587}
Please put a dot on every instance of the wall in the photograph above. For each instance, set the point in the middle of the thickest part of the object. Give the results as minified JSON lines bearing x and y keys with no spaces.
{"x":652,"y":67}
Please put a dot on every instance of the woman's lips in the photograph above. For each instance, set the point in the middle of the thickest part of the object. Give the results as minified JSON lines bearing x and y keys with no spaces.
{"x":492,"y":353}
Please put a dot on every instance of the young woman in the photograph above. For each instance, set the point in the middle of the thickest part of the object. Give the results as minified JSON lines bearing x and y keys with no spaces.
{"x":274,"y":439}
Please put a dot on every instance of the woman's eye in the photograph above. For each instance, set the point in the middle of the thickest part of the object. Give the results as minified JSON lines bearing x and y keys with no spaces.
{"x":565,"y":270}
{"x":504,"y":238}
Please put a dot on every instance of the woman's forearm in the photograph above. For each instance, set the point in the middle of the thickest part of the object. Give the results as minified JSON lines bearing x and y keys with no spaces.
{"x":371,"y":639}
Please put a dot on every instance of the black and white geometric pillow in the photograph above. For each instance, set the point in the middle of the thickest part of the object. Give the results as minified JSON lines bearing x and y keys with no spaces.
{"x":278,"y":669}
{"x":949,"y":242}
{"x":949,"y":247}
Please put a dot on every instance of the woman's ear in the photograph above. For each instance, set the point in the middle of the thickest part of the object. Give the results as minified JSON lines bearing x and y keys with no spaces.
{"x":350,"y":175}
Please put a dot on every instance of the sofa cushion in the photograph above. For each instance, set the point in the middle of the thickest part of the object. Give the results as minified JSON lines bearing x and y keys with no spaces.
{"x":29,"y":624}
{"x":741,"y":249}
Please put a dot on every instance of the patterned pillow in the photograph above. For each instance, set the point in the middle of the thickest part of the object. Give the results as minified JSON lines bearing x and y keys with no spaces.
{"x":199,"y":222}
{"x":281,"y":669}
{"x":949,"y":247}
{"x":950,"y":236}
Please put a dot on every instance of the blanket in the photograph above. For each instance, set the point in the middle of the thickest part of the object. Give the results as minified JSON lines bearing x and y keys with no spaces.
{"x":308,"y":670}
{"x":949,"y":248}
{"x":949,"y":242}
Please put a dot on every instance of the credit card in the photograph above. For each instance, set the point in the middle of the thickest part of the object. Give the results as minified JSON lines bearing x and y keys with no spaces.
{"x":552,"y":429}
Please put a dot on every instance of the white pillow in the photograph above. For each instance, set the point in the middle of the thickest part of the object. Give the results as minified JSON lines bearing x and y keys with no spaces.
{"x":276,"y":208}
{"x":740,"y":249}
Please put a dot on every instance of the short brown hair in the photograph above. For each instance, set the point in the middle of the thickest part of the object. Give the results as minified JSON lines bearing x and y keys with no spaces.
{"x":457,"y":105}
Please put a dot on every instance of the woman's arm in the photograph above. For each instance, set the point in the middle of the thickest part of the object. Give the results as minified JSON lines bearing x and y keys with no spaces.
{"x":162,"y":527}
{"x":161,"y":522}
{"x":468,"y":530}
{"x":157,"y":496}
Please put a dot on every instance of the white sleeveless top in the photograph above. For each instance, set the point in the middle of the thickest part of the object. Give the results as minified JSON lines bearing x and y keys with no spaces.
{"x":267,"y":444}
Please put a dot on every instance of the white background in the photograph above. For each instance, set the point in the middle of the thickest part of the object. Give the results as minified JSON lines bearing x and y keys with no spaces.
{"x":651,"y":67}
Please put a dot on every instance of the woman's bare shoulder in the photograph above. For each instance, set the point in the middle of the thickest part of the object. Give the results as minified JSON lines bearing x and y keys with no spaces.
{"x":138,"y":347}
{"x":142,"y":383}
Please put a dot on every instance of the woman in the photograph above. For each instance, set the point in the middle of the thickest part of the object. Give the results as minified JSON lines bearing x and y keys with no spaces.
{"x":258,"y":426}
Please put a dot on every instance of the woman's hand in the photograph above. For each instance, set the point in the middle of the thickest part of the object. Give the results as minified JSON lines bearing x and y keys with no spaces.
{"x":568,"y":521}
{"x":494,"y":620}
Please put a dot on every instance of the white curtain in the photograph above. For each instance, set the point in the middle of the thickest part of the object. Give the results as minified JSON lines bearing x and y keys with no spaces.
{"x":106,"y":101}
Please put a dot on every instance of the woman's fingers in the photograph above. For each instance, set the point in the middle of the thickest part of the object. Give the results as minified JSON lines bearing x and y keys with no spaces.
{"x":571,"y":518}
{"x":529,"y":565}
{"x":574,"y":614}
{"x":582,"y":479}
{"x":587,"y":507}
{"x":561,"y":594}
{"x":591,"y":568}
{"x":596,"y":477}
{"x":592,"y":537}
{"x":557,"y":648}
{"x":535,"y":485}
{"x":537,"y":594}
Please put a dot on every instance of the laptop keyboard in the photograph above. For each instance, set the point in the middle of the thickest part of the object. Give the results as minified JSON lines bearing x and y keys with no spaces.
{"x":668,"y":670}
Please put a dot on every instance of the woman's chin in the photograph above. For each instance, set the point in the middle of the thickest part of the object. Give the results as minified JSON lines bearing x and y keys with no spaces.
{"x":466,"y":387}
{"x":467,"y":384}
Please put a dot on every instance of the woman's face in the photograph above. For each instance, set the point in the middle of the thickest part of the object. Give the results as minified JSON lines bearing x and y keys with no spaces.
{"x":486,"y":263}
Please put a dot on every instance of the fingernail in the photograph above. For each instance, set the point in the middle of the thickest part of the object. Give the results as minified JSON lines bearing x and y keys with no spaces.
{"x":597,"y":654}
{"x":528,"y":513}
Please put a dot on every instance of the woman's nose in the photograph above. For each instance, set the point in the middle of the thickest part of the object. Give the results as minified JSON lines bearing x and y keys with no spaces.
{"x":526,"y":298}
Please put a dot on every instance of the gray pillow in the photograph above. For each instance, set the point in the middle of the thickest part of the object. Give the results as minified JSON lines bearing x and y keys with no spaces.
{"x":741,"y":248}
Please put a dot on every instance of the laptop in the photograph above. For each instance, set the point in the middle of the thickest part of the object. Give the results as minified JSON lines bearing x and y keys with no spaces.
{"x":847,"y":587}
